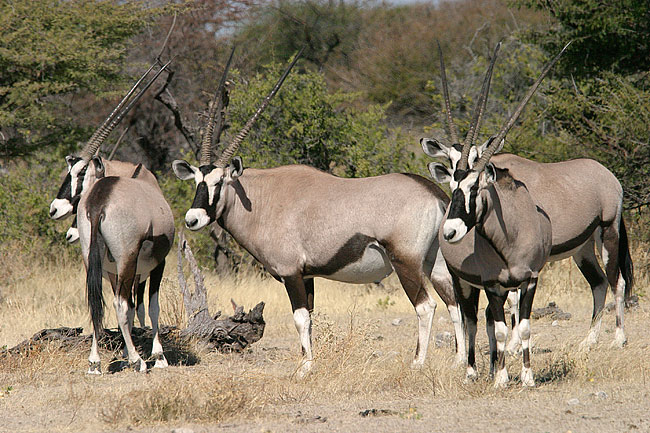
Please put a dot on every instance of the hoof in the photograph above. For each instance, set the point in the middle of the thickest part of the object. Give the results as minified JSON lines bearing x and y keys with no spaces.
{"x":470,"y":375}
{"x":459,"y":361}
{"x":94,"y":368}
{"x":527,"y":378}
{"x":161,"y":362}
{"x":304,"y":369}
{"x":139,"y":365}
{"x":417,"y":365}
{"x":501,"y":379}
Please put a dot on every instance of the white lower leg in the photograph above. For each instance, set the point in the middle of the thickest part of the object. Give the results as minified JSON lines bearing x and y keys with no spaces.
{"x":515,"y":339}
{"x":527,"y":378}
{"x":156,"y":347}
{"x":501,"y":334}
{"x":94,"y":362}
{"x":592,"y":337}
{"x":121,"y":309}
{"x":130,"y":316}
{"x":620,"y":339}
{"x":461,"y":352}
{"x":303,"y":325}
{"x":425,"y":312}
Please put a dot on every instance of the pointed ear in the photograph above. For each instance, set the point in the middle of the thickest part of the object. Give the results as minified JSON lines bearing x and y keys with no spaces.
{"x":70,"y":160}
{"x":489,"y":173}
{"x":99,"y":166}
{"x":183,"y":170}
{"x":235,"y":169}
{"x":434,"y":148}
{"x":439,"y":172}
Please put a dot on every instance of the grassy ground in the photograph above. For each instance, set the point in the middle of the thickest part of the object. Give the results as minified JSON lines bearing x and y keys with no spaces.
{"x":364,"y":338}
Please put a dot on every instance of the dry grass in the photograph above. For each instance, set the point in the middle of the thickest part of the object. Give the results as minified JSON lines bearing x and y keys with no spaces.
{"x":362,"y":360}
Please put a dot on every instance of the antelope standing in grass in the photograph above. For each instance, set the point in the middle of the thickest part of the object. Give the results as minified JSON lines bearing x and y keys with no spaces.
{"x":302,"y":223}
{"x":494,"y":237}
{"x":125,"y":228}
{"x":584,"y":201}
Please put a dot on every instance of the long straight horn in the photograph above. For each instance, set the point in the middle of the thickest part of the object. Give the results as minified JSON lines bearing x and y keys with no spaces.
{"x":216,"y":107}
{"x":475,"y":125}
{"x":453,"y":132}
{"x":93,"y":143}
{"x":234,"y":144}
{"x":494,"y":145}
{"x":485,"y":96}
{"x":104,"y":132}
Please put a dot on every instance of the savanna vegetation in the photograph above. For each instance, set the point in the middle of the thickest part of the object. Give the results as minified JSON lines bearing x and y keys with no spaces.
{"x":365,"y":91}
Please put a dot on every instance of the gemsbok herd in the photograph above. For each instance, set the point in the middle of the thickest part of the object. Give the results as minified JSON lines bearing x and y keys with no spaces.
{"x":507,"y":217}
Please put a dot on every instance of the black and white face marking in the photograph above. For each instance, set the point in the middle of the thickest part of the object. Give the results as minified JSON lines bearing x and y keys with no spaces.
{"x":463,"y":207}
{"x":209,"y":183}
{"x":70,"y":191}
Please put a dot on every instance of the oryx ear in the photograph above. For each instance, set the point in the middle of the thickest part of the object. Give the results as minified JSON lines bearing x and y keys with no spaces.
{"x":489,"y":173}
{"x":235,"y":169}
{"x":70,"y":160}
{"x":183,"y":170}
{"x":439,"y":172}
{"x":434,"y":148}
{"x":99,"y":166}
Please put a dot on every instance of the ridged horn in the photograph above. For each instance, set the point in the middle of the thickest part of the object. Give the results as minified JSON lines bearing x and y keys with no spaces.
{"x":216,"y":107}
{"x":453,"y":132}
{"x":478,"y":112}
{"x":230,"y":150}
{"x":93,"y":143}
{"x":100,"y":135}
{"x":494,"y":145}
{"x":95,"y":140}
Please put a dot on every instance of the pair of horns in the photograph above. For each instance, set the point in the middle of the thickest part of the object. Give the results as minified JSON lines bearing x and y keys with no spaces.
{"x":217,"y":106}
{"x":118,"y":113}
{"x":481,"y":103}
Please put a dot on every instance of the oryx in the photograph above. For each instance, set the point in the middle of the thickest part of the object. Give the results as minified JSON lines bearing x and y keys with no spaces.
{"x":495,"y":237}
{"x":125,"y":227}
{"x":584,"y":201}
{"x":301,"y":223}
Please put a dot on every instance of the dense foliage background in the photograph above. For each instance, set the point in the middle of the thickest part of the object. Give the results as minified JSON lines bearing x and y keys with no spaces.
{"x":365,"y":91}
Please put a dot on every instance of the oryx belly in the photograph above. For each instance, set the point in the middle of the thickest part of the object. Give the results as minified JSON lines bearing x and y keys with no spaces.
{"x":369,"y":264}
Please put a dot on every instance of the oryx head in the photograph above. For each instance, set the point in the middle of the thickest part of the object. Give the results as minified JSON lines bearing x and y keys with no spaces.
{"x":73,"y":184}
{"x":468,"y":181}
{"x":213,"y":178}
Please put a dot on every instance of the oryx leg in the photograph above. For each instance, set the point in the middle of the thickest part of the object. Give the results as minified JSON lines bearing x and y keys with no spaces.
{"x":515,"y":341}
{"x":610,"y":256}
{"x":154,"y":313}
{"x":444,"y":286}
{"x":587,"y":262}
{"x":496,"y":301}
{"x":412,"y":279}
{"x":122,"y":302}
{"x":298,"y":295}
{"x":139,"y":299}
{"x":525,"y":307}
{"x":468,"y":301}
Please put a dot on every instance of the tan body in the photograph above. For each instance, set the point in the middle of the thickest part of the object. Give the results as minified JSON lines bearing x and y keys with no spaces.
{"x":126,"y":229}
{"x":300,"y":223}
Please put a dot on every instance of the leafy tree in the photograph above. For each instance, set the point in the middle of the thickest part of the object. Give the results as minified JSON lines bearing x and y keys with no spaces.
{"x":607,"y":35}
{"x":52,"y":48}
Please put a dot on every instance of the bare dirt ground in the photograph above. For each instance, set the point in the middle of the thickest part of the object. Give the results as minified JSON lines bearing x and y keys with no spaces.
{"x":364,"y":340}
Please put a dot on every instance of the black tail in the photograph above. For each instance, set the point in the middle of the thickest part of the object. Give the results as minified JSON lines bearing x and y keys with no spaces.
{"x":624,"y":260}
{"x":94,"y":275}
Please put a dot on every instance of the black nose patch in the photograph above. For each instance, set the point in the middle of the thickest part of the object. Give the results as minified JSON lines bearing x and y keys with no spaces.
{"x":202,"y":200}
